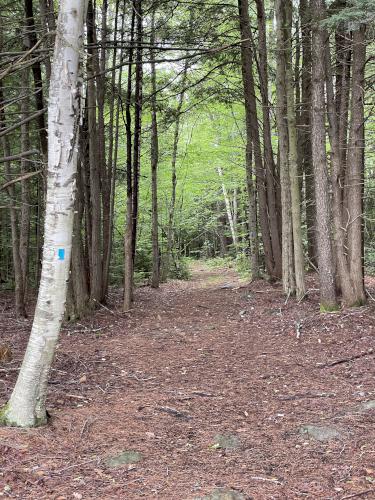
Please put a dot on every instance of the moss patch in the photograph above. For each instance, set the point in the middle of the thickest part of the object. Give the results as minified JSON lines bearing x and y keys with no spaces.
{"x":3,"y":415}
{"x":329,"y":308}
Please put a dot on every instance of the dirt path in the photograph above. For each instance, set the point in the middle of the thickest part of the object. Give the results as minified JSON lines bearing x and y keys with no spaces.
{"x":208,"y":383}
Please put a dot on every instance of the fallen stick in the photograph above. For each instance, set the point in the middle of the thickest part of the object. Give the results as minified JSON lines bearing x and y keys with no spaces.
{"x":173,"y":411}
{"x":358,"y":494}
{"x":292,"y":397}
{"x":203,"y":394}
{"x":271,"y":480}
{"x":74,"y":465}
{"x":346,"y":360}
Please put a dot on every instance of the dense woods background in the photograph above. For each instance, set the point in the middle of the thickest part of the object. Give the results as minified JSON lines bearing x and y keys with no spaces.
{"x":207,"y":129}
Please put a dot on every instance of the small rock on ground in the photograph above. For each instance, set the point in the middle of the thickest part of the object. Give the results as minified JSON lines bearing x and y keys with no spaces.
{"x":321,"y":433}
{"x":226,"y":442}
{"x":224,"y":494}
{"x":125,"y":457}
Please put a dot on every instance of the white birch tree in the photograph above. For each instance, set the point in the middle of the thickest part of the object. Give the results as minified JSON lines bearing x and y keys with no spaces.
{"x":26,"y":407}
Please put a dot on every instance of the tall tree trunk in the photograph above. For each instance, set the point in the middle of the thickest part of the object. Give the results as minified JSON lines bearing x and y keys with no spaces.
{"x":253,"y":144}
{"x":105,"y":174}
{"x":45,"y":21}
{"x":25,"y":190}
{"x":31,"y":39}
{"x":318,"y":134}
{"x":128,"y":239}
{"x":293,"y":157}
{"x":253,"y":130}
{"x":171,"y":212}
{"x":355,"y":165}
{"x":338,"y":227}
{"x":282,"y":127}
{"x":343,"y":46}
{"x":154,"y":164}
{"x":304,"y":135}
{"x":80,"y":297}
{"x":252,"y":212}
{"x":230,"y":215}
{"x":138,"y":97}
{"x":17,"y":263}
{"x":113,"y":139}
{"x":26,"y":407}
{"x":95,"y":157}
{"x":269,"y":163}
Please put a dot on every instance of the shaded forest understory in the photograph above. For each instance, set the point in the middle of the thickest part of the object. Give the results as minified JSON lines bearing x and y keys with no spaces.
{"x":215,"y":383}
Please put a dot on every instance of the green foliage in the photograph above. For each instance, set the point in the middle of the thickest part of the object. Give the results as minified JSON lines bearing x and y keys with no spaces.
{"x":326,"y":308}
{"x":350,"y":16}
{"x":220,"y":263}
{"x":243,"y":266}
{"x":181,"y":269}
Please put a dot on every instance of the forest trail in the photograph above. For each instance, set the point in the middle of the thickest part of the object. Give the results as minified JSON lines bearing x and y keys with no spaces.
{"x":209,"y":386}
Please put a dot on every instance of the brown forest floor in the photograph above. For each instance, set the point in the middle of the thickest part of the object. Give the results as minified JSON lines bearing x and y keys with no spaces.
{"x":194,"y":360}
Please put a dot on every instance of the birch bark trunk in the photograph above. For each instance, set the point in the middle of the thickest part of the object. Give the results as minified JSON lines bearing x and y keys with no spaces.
{"x":230,"y":214}
{"x":26,"y":407}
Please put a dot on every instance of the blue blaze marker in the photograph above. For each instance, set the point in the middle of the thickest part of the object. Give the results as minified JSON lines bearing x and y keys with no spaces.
{"x":61,"y":253}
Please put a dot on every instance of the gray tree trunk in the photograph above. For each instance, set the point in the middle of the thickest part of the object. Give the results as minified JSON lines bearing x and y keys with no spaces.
{"x":293,"y":164}
{"x":282,"y":127}
{"x":318,"y":135}
{"x":154,"y":166}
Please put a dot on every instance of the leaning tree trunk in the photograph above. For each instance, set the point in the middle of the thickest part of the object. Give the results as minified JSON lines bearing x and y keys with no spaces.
{"x":26,"y":407}
{"x":318,"y":135}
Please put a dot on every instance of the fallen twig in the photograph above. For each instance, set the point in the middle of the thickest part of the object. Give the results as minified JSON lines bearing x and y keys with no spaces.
{"x":346,"y":360}
{"x":364,"y":492}
{"x":298,"y":328}
{"x":132,"y":375}
{"x":306,"y":395}
{"x":75,"y":465}
{"x":86,"y":426}
{"x":75,"y":396}
{"x":203,"y":394}
{"x":174,"y":412}
{"x":271,"y":480}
